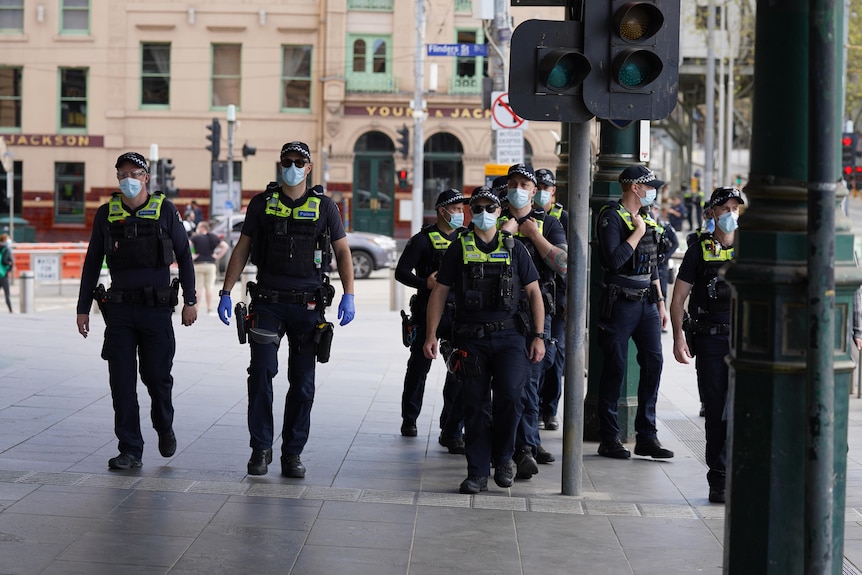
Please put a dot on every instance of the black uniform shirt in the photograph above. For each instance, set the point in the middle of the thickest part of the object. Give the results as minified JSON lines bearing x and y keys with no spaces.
{"x":255,"y":223}
{"x":132,"y":279}
{"x":419,"y":260}
{"x":451,"y":268}
{"x":695,"y":271}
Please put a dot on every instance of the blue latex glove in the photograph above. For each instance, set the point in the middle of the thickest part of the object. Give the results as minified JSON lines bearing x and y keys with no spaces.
{"x":346,"y":311}
{"x":224,"y":309}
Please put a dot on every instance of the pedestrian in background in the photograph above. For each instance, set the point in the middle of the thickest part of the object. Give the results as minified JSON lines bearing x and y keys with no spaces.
{"x":677,"y":212}
{"x":207,"y":249}
{"x":705,"y":336}
{"x":545,"y":241}
{"x":6,"y":265}
{"x":632,"y":307}
{"x":290,"y":232}
{"x":551,"y":382}
{"x":139,"y":235}
{"x":486,"y":270}
{"x":417,"y":268}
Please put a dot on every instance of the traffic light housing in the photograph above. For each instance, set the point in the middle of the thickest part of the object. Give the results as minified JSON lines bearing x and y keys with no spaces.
{"x":404,"y":141}
{"x":634,"y":50}
{"x":547,"y":71}
{"x":215,"y":139}
{"x":248,"y":150}
{"x":166,"y":177}
{"x":849,"y":145}
{"x":403,"y":180}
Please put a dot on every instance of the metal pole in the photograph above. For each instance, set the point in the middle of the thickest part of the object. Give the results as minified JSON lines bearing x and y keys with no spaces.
{"x":721,"y":169}
{"x":231,"y":119}
{"x":728,"y":117}
{"x":28,"y":286}
{"x":154,"y":162}
{"x":418,"y":117}
{"x":576,"y":307}
{"x":823,"y":131}
{"x":10,"y":196}
{"x":709,"y":126}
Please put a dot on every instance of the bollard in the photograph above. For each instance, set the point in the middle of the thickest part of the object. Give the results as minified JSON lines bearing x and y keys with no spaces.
{"x":28,"y":287}
{"x":248,"y":274}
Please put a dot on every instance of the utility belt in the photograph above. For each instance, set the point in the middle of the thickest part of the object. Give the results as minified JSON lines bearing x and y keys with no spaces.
{"x":480,"y":330}
{"x":320,"y":342}
{"x":703,"y":328}
{"x":409,"y":323}
{"x":614,"y":292}
{"x":325,"y":294}
{"x":148,"y":296}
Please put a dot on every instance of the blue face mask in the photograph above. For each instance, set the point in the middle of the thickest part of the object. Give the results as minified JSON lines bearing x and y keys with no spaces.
{"x":292,"y":175}
{"x":130,"y":187}
{"x":519,"y":198}
{"x":710,"y":225}
{"x":542,"y":198}
{"x":649,"y":198}
{"x":728,"y":222}
{"x":485,"y":221}
{"x":456,"y":220}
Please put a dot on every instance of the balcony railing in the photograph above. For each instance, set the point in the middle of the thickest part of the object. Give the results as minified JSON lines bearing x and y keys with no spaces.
{"x":465,"y":85}
{"x":464,"y":6}
{"x":371,"y":83}
{"x":371,"y":5}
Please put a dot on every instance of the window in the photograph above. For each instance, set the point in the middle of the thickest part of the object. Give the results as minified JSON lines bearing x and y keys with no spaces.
{"x":12,"y":16}
{"x":371,"y":5}
{"x":296,"y":77}
{"x":464,"y":6}
{"x":155,"y":74}
{"x":10,"y":98}
{"x":226,"y":75}
{"x":468,"y":69}
{"x":69,"y":192}
{"x":370,"y":57}
{"x":703,"y":13}
{"x":443,"y":168}
{"x":75,"y":17}
{"x":73,"y":98}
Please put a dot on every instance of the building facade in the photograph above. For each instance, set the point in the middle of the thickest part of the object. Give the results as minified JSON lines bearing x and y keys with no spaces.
{"x":82,"y":82}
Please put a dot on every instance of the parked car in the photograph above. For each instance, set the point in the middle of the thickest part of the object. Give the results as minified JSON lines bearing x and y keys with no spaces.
{"x":370,"y":252}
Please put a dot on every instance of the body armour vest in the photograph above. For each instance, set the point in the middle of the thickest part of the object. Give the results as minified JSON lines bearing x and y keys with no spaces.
{"x":439,"y":243}
{"x":711,"y":293}
{"x":488,"y":280}
{"x":645,"y":258}
{"x":545,"y":274}
{"x":137,"y":244}
{"x":556,"y":211}
{"x":291,"y":244}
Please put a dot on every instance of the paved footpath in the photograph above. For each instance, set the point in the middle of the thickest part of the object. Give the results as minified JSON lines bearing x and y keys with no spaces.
{"x":373,"y":502}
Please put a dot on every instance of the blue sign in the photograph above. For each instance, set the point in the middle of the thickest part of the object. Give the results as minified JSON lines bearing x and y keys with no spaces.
{"x":460,"y":50}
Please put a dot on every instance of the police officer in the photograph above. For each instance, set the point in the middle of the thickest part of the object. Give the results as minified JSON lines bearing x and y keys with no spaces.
{"x":139,"y":235}
{"x":632,"y":307}
{"x":546,"y":243}
{"x":668,"y":244}
{"x":290,"y":233}
{"x":551,"y":383}
{"x":708,"y":326}
{"x":486,"y":270}
{"x":417,"y":268}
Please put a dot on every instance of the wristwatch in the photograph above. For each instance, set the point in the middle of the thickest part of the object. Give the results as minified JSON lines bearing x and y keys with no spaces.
{"x":537,"y":334}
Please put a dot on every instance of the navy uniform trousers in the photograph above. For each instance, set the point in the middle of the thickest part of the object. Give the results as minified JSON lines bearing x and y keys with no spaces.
{"x":134,"y":331}
{"x":297,"y":322}
{"x":489,"y":426}
{"x":638,"y":321}
{"x":712,"y":383}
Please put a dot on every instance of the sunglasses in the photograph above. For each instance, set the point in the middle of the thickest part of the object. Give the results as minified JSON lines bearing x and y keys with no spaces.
{"x":132,"y":174}
{"x":299,"y":163}
{"x":490,"y":208}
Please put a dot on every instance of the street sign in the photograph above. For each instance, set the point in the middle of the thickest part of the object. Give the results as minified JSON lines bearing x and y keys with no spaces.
{"x":45,"y":267}
{"x":460,"y":50}
{"x":510,"y":147}
{"x":502,"y":115}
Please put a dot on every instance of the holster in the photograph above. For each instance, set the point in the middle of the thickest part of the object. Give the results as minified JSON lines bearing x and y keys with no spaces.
{"x":241,"y":315}
{"x":99,"y":294}
{"x":408,"y":329}
{"x":653,"y":293}
{"x":549,"y":291}
{"x":606,"y":304}
{"x":323,"y":340}
{"x":688,"y":328}
{"x":462,"y":365}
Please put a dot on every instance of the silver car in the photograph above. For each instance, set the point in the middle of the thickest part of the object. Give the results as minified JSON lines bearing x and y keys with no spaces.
{"x":370,"y":251}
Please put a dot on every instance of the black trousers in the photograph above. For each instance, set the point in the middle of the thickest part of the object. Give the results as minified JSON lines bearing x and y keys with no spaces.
{"x":712,"y":381}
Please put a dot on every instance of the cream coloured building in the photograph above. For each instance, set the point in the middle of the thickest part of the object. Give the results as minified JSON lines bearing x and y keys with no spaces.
{"x":82,"y":81}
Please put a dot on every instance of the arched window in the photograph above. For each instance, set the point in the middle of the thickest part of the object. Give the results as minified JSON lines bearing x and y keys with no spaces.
{"x":359,"y":56}
{"x":379,"y":56}
{"x":443,"y":168}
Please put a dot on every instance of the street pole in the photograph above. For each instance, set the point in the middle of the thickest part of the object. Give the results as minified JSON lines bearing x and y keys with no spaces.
{"x":10,"y":193}
{"x":418,"y":117}
{"x":154,"y":162}
{"x":231,"y":119}
{"x":709,"y":120}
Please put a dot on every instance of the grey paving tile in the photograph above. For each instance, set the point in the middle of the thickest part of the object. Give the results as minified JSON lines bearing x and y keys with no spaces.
{"x":558,"y":505}
{"x":127,"y":549}
{"x":364,"y":534}
{"x":611,"y":508}
{"x":204,"y":502}
{"x":168,"y":522}
{"x":43,"y":528}
{"x":49,"y":478}
{"x":161,"y":484}
{"x":365,"y":511}
{"x":663,"y":533}
{"x":276,"y":490}
{"x":388,"y":496}
{"x":314,"y":560}
{"x":444,"y":500}
{"x":90,"y":568}
{"x":662,"y":510}
{"x":331,"y":494}
{"x":499,"y":502}
{"x":58,"y":503}
{"x":269,"y":513}
{"x":27,"y":557}
{"x":117,"y":481}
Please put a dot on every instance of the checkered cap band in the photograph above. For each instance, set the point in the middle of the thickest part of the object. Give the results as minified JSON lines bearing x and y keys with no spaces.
{"x":484,"y":192}
{"x":644,"y":179}
{"x":523,"y":170}
{"x":299,"y":147}
{"x":133,"y":157}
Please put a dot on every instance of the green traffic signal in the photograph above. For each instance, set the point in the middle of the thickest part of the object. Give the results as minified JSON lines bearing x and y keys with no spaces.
{"x":560,"y":70}
{"x":636,"y":68}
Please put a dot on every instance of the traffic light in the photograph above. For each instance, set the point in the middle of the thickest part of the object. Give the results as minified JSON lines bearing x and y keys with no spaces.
{"x":215,"y":139}
{"x":248,"y":151}
{"x":547,"y":71}
{"x":856,"y":184}
{"x":849,"y":144}
{"x":402,"y":179}
{"x":404,"y":141}
{"x":634,"y":49}
{"x":166,"y":177}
